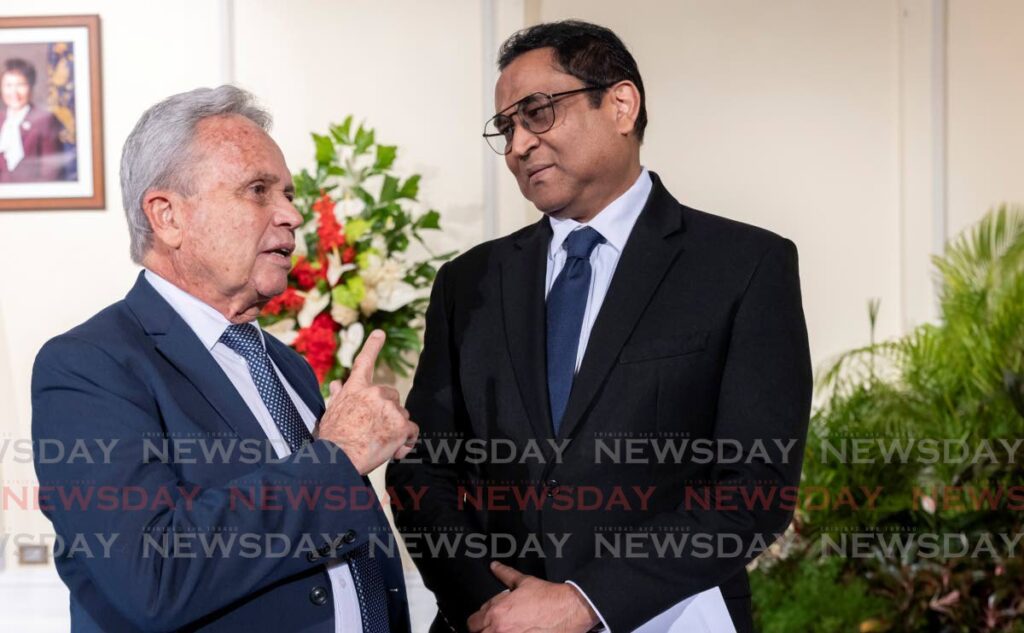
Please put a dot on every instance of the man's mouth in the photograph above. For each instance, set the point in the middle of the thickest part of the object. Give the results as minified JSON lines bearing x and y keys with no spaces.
{"x":533,"y":171}
{"x":283,"y":252}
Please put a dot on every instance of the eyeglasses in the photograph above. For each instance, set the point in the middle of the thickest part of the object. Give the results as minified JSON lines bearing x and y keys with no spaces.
{"x":536,"y":114}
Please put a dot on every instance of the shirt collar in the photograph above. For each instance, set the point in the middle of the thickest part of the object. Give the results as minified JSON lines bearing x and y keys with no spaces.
{"x":614,"y":222}
{"x":202,"y":318}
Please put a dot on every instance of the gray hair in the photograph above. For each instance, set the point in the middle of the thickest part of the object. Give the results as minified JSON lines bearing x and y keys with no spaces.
{"x":158,"y":152}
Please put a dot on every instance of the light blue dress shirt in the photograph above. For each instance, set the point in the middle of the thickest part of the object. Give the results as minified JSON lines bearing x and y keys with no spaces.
{"x":615,"y":223}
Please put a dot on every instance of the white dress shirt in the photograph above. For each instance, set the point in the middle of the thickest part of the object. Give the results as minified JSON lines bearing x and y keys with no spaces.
{"x":209,"y":325}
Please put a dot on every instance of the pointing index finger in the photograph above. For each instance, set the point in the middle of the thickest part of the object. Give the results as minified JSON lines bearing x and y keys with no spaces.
{"x":362,"y":366}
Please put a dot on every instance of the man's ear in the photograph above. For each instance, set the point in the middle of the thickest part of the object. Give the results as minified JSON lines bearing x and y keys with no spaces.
{"x":164,"y":209}
{"x":625,"y":99}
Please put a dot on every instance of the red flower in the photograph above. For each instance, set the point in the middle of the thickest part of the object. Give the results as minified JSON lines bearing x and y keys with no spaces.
{"x":324,"y":320}
{"x":287,"y":301}
{"x":318,"y":343}
{"x":328,"y":228}
{"x":305,"y":274}
{"x":349,"y":255}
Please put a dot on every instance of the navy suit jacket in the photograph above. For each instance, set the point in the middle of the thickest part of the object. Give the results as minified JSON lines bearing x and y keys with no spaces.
{"x":123,"y":387}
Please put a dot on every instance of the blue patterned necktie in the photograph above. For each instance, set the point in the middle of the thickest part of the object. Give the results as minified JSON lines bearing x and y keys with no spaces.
{"x":366,"y":571}
{"x":368,"y":578}
{"x":244,"y":339}
{"x":567,"y":301}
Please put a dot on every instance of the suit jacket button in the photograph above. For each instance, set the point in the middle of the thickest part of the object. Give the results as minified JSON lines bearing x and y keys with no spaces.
{"x":349,"y":537}
{"x":311,"y":557}
{"x":318,"y":596}
{"x":552,"y":486}
{"x":324,"y":550}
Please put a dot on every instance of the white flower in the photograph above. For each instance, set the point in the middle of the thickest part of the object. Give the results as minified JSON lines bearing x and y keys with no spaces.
{"x":392,"y":295}
{"x":928,"y":504}
{"x":351,"y":339}
{"x":349,"y":207}
{"x":300,"y":241}
{"x":379,"y":271}
{"x":314,"y":305}
{"x":335,"y":269}
{"x":384,"y":280}
{"x":344,"y":315}
{"x":284,"y":331}
{"x":369,"y":303}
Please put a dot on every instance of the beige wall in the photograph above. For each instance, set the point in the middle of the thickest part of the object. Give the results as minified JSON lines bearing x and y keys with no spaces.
{"x":813,"y":118}
{"x":986,"y":90}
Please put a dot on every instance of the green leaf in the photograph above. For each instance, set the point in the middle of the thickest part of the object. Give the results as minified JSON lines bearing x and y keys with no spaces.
{"x":363,"y":259}
{"x":364,"y":139}
{"x":305,"y":185}
{"x":324,"y":149}
{"x":355,"y":229}
{"x":385,"y":157}
{"x":364,"y":195}
{"x":389,"y":190}
{"x":335,"y":170}
{"x":411,"y":188}
{"x":399,"y":242}
{"x":351,"y":293}
{"x":341,"y":132}
{"x":429,"y":220}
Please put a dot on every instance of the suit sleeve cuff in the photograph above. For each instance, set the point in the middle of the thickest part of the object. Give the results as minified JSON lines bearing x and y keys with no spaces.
{"x":603,"y":626}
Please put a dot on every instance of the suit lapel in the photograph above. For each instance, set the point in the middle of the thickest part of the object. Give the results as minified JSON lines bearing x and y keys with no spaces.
{"x":182,"y":348}
{"x":653,"y":245}
{"x":522,"y":296}
{"x":308,"y":390}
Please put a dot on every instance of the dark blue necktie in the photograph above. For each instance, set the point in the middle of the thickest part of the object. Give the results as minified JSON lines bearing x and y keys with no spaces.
{"x":244,"y":339}
{"x":567,"y":301}
{"x":366,"y":571}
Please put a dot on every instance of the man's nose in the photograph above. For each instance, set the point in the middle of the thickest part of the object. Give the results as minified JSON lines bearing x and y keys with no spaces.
{"x":523,"y":141}
{"x":289,"y":216}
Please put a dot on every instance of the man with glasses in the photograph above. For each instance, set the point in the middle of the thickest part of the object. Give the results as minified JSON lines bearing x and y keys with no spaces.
{"x":620,"y":327}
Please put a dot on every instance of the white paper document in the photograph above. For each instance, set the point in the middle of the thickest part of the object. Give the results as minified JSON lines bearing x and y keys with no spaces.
{"x":704,"y":612}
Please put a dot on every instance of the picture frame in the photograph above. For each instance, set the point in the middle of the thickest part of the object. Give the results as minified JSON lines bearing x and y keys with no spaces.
{"x":51,"y":113}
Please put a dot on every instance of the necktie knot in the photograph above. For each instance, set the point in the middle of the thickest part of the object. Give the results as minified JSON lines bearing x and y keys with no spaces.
{"x":245,"y":340}
{"x":581,"y":242}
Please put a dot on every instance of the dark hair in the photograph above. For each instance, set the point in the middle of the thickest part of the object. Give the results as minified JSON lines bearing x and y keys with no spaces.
{"x":591,"y":53}
{"x":22,"y":67}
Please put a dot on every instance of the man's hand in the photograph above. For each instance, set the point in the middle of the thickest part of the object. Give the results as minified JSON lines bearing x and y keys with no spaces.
{"x":366,"y":420}
{"x":532,"y":604}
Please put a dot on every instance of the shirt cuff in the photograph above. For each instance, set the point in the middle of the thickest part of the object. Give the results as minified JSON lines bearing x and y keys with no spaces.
{"x":598,"y":627}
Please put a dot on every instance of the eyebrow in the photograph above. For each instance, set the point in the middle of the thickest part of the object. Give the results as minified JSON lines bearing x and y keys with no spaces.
{"x":509,"y":107}
{"x":270,"y":179}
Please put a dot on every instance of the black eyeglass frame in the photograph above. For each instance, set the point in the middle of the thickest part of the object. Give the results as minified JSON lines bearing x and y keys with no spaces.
{"x":552,"y":99}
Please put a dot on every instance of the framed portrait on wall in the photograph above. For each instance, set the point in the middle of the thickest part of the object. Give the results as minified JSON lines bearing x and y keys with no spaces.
{"x":51,"y":114}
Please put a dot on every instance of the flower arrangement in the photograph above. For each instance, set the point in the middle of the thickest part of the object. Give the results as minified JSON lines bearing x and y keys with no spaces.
{"x":351,"y":272}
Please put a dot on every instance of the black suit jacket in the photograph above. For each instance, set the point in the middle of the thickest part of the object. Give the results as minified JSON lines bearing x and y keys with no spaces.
{"x":701,"y":336}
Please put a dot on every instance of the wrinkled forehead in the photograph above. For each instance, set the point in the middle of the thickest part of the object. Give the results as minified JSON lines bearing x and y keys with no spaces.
{"x":533,"y":71}
{"x":237,"y":139}
{"x":232,"y":150}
